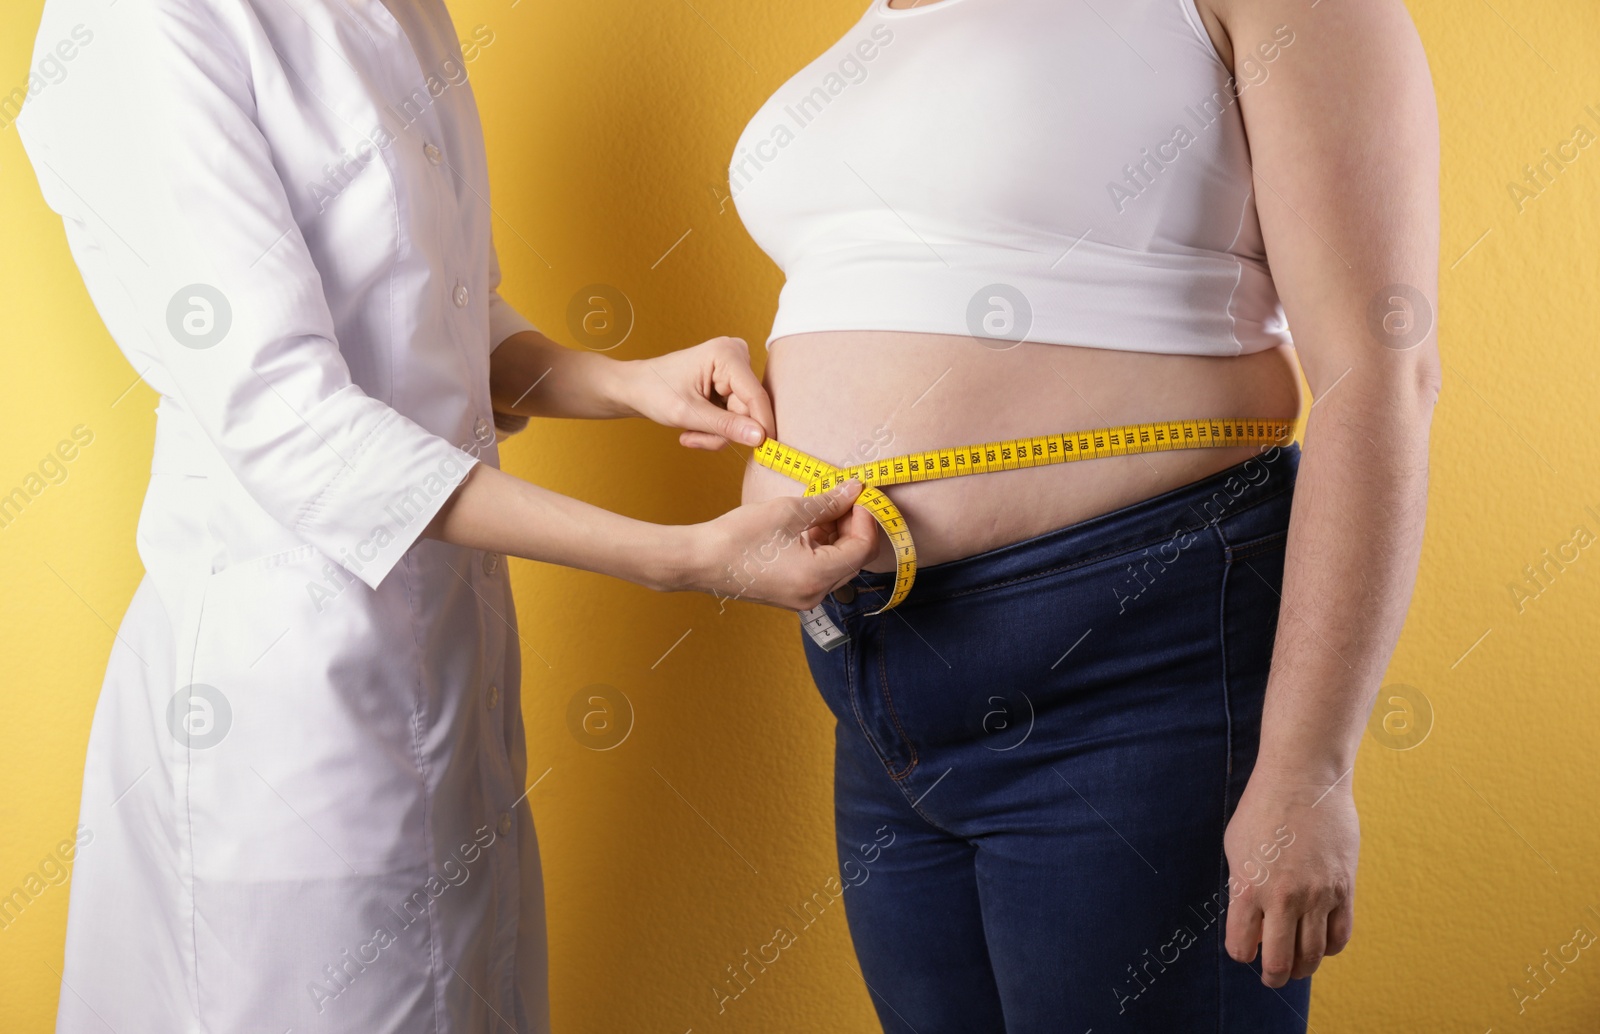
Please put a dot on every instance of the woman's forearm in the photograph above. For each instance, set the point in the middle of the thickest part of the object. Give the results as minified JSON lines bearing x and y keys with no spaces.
{"x":785,"y":552}
{"x":496,"y":511}
{"x":708,"y":390}
{"x":533,"y":376}
{"x":1354,"y":542}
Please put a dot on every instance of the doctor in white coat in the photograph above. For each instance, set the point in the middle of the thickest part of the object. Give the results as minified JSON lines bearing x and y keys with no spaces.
{"x":305,"y":793}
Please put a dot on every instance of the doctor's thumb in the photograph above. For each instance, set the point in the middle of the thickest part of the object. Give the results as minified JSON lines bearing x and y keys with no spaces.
{"x":734,"y":427}
{"x":830,"y":505}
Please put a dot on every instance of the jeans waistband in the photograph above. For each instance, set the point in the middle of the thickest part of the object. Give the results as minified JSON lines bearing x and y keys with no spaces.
{"x":1209,"y":501}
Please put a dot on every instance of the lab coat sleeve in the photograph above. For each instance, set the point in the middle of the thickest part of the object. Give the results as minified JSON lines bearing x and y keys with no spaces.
{"x":504,"y":320}
{"x":174,"y":184}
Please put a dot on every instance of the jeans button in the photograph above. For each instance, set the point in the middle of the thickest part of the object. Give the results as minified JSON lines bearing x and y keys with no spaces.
{"x":845,"y":594}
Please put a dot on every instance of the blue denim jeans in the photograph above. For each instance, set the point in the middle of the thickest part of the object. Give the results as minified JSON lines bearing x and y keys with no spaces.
{"x":1037,"y":754}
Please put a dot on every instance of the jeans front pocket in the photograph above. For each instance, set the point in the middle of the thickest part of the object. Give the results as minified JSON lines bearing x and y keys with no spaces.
{"x":831,"y":669}
{"x":853,"y":681}
{"x":875,"y":708}
{"x":1273,"y":541}
{"x":1262,"y":526}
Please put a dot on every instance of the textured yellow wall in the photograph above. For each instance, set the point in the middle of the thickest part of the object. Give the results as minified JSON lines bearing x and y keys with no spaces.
{"x":609,"y":126}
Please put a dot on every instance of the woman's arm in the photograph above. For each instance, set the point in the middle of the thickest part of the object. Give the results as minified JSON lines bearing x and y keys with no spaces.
{"x":709,"y":390}
{"x":763,"y":553}
{"x":1344,"y":139}
{"x":787,"y":552}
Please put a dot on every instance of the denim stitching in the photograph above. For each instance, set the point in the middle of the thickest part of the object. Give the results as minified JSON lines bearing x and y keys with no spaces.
{"x":916,"y":806}
{"x":1265,"y":544}
{"x":855,"y":706}
{"x":1227,"y":711}
{"x":888,"y":700}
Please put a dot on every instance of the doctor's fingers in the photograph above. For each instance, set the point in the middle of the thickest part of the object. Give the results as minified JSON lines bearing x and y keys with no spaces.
{"x":844,"y":544}
{"x":711,"y":427}
{"x":706,"y":440}
{"x":735,"y":381}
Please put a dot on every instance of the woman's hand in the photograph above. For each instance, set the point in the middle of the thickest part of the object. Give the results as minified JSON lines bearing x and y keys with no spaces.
{"x":1291,"y":848}
{"x":787,"y":552}
{"x":708,"y":390}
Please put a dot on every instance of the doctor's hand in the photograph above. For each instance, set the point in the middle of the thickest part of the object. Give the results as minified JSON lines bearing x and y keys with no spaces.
{"x":708,"y":390}
{"x":787,"y":552}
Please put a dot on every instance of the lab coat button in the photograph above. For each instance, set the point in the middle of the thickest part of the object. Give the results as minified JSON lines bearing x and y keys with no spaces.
{"x":491,"y":563}
{"x":434,"y":154}
{"x":505,"y":824}
{"x":480,"y":430}
{"x":461,"y":296}
{"x":491,"y":699}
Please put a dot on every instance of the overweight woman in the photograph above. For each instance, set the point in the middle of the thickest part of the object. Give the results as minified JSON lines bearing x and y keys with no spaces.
{"x":1095,"y":771}
{"x":304,"y":802}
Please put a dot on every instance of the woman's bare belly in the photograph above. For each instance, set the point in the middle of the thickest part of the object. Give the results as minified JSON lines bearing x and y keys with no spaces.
{"x":852,"y":396}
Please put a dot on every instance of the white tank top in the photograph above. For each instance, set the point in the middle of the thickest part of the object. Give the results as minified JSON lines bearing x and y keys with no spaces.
{"x":1062,"y":172}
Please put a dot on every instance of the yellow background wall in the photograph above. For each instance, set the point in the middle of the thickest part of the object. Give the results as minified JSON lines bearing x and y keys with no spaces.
{"x":609,"y":124}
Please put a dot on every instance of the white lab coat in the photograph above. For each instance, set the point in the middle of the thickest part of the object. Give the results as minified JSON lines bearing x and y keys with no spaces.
{"x":305,"y":785}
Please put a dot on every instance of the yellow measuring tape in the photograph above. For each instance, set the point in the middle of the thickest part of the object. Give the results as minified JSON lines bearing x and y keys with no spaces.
{"x":1124,"y":440}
